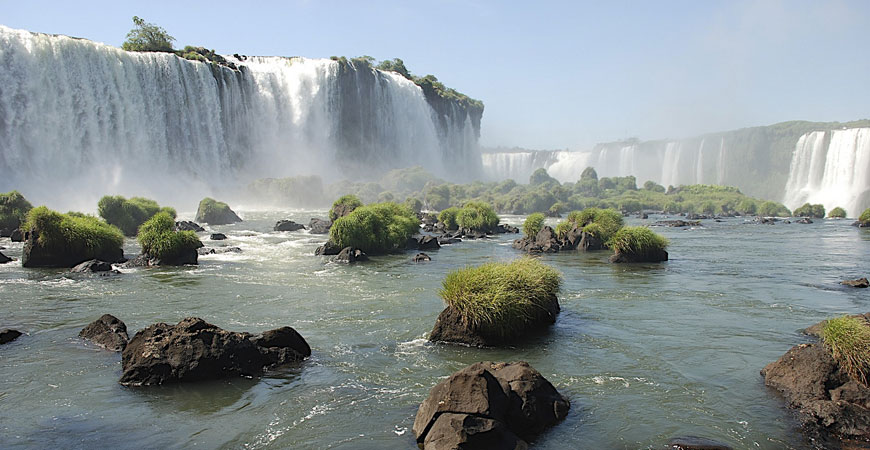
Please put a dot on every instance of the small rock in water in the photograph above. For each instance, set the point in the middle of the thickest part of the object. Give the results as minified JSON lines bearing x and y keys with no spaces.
{"x":859,"y":283}
{"x":421,"y":257}
{"x":8,"y":335}
{"x":17,"y":236}
{"x":92,"y":266}
{"x":319,"y":226}
{"x":350,"y":255}
{"x":805,"y":221}
{"x":696,"y":443}
{"x":186,"y":225}
{"x":4,"y":259}
{"x":218,"y":236}
{"x":288,"y":225}
{"x":108,"y":332}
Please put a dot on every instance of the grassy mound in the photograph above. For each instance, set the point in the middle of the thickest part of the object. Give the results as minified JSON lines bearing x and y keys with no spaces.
{"x":76,"y":234}
{"x":214,"y":212}
{"x":837,"y":213}
{"x":601,"y":223}
{"x":808,"y":210}
{"x":128,"y":215}
{"x":375,"y":228}
{"x":502,"y":298}
{"x":13,"y":210}
{"x":477,"y":216}
{"x":448,"y":218}
{"x":533,"y":224}
{"x":344,"y":206}
{"x":848,"y":338}
{"x":637,"y":241}
{"x":158,"y":238}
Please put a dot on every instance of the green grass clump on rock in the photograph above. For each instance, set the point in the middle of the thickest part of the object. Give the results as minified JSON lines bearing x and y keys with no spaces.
{"x":448,"y":218}
{"x":128,"y":215}
{"x":344,"y":205}
{"x":637,"y":241}
{"x":376,"y":228}
{"x":848,"y":338}
{"x":502,"y":298}
{"x":158,"y":238}
{"x":601,"y":223}
{"x":808,"y":210}
{"x":477,"y":216}
{"x":533,"y":224}
{"x":837,"y":213}
{"x":864,"y":218}
{"x":13,"y":210}
{"x":73,"y":233}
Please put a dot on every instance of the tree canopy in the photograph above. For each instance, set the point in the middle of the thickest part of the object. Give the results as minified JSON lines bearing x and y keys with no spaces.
{"x":147,"y":37}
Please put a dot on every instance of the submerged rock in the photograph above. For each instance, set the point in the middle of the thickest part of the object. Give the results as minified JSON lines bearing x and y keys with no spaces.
{"x":805,"y":221}
{"x":218,"y":236}
{"x":108,"y":332}
{"x":489,"y":406}
{"x":696,"y":443}
{"x":8,"y":335}
{"x":186,"y":225}
{"x":421,"y":257}
{"x":196,"y":350}
{"x":445,"y":240}
{"x":319,"y":226}
{"x":287,"y":225}
{"x":350,"y":255}
{"x":92,"y":266}
{"x":859,"y":283}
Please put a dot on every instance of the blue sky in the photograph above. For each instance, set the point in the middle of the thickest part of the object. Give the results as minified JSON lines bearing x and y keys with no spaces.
{"x":553,"y":74}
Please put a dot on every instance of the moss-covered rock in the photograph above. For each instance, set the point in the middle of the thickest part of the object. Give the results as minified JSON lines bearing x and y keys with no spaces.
{"x":638,"y":244}
{"x":162,"y":245}
{"x":65,"y":240}
{"x":214,"y":212}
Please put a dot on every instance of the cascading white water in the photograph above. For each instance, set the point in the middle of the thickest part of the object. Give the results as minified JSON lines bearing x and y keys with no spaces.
{"x":79,"y":119}
{"x":832,"y":169}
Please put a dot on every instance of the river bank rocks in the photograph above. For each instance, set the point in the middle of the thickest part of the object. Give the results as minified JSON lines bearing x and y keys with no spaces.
{"x":195,"y":350}
{"x":832,"y":406}
{"x":319,"y":226}
{"x":8,"y":335}
{"x":217,"y":251}
{"x":328,"y":249}
{"x":489,"y":406}
{"x":108,"y":332}
{"x":422,"y":242}
{"x":859,"y":283}
{"x":186,"y":225}
{"x":288,"y":225}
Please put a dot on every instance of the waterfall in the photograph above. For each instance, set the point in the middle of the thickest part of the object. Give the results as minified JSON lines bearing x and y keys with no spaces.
{"x":79,"y":119}
{"x":831,"y":168}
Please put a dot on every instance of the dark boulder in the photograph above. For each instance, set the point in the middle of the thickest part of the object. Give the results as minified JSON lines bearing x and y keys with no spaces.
{"x":350,"y":255}
{"x":545,"y":241}
{"x":196,"y":350}
{"x":643,"y":216}
{"x":319,"y":226}
{"x":859,"y":283}
{"x":4,"y":259}
{"x":450,"y":327}
{"x":445,"y":240}
{"x":428,"y":243}
{"x":342,"y":209}
{"x":428,"y":219}
{"x":108,"y":332}
{"x":92,"y":266}
{"x":16,"y":235}
{"x":489,"y":406}
{"x":186,"y":225}
{"x":221,"y":215}
{"x":421,"y":257}
{"x":8,"y":335}
{"x":288,"y":225}
{"x":696,"y":443}
{"x":805,"y":221}
{"x":649,"y":257}
{"x":5,"y":232}
{"x":589,"y":242}
{"x":327,"y":249}
{"x":218,"y":236}
{"x":35,"y":255}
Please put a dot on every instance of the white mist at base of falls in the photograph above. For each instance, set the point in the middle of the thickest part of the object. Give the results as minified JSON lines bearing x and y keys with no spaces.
{"x":79,"y":120}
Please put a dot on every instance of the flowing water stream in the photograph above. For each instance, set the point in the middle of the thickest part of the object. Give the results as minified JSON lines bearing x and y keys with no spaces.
{"x":644,"y":352}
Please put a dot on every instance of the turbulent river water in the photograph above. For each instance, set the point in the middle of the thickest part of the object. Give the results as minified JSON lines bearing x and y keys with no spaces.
{"x":644,"y":352}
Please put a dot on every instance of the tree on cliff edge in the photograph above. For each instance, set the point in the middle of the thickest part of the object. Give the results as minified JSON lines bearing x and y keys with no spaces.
{"x":147,"y":37}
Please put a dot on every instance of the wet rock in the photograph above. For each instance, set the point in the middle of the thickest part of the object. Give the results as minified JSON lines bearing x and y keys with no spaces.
{"x":859,"y":283}
{"x":445,"y":240}
{"x":319,"y":226}
{"x":350,"y":255}
{"x":766,"y":220}
{"x":643,"y":216}
{"x":589,"y":242}
{"x":8,"y":335}
{"x":186,"y":258}
{"x":697,"y":217}
{"x":428,"y":243}
{"x":327,"y":249}
{"x":16,"y":235}
{"x":4,"y":259}
{"x":92,"y":266}
{"x":805,"y":221}
{"x":35,"y":255}
{"x":218,"y":213}
{"x":650,"y":257}
{"x":676,"y":223}
{"x":450,"y":327}
{"x":696,"y":443}
{"x":196,"y":350}
{"x":504,"y":228}
{"x":108,"y":332}
{"x":186,"y":225}
{"x":421,"y":257}
{"x":5,"y":232}
{"x":489,"y":405}
{"x":544,"y":242}
{"x":288,"y":225}
{"x":218,"y":236}
{"x":217,"y":251}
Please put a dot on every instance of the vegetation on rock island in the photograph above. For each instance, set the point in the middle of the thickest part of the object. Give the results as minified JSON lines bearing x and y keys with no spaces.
{"x":501,"y":299}
{"x":68,"y":239}
{"x":637,"y":241}
{"x":128,"y":215}
{"x":13,"y":210}
{"x":601,"y":223}
{"x":808,"y":210}
{"x":864,"y":218}
{"x":477,"y":216}
{"x":160,"y":241}
{"x":533,"y":224}
{"x":214,"y":212}
{"x":848,"y":339}
{"x":837,"y":213}
{"x":148,"y":37}
{"x":376,"y":228}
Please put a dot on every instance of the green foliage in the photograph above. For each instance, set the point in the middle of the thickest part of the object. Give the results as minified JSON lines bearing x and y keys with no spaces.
{"x":78,"y":234}
{"x":147,"y":37}
{"x":808,"y":210}
{"x":477,"y":216}
{"x":376,"y":228}
{"x":541,"y":177}
{"x":346,"y":203}
{"x":414,"y":204}
{"x":637,"y":241}
{"x":747,"y":206}
{"x":533,"y":224}
{"x":395,"y":65}
{"x":204,"y":55}
{"x":448,"y":218}
{"x":502,"y":298}
{"x":773,"y":209}
{"x":837,"y":213}
{"x":158,"y":238}
{"x":431,"y":86}
{"x":865,"y":217}
{"x":128,"y":215}
{"x":589,"y":173}
{"x":848,"y":339}
{"x":653,"y":186}
{"x":13,"y":210}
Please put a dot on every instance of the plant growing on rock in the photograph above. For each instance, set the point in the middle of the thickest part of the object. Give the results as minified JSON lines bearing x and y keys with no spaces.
{"x":601,"y":223}
{"x":13,"y":210}
{"x":376,"y":228}
{"x":128,"y":215}
{"x":477,"y":216}
{"x":533,"y":224}
{"x":501,"y":299}
{"x":344,"y":206}
{"x":448,"y":218}
{"x":214,"y":212}
{"x":808,"y":210}
{"x":69,"y":239}
{"x":848,"y":338}
{"x":639,"y":241}
{"x":837,"y":213}
{"x":159,"y":240}
{"x":864,"y":218}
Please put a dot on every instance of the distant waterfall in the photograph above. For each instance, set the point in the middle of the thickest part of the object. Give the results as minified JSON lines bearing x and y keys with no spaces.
{"x":79,"y":119}
{"x":831,"y":168}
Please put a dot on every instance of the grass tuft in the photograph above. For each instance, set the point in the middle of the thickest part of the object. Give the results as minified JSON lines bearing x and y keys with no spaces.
{"x":376,"y":228}
{"x":837,"y":213}
{"x":73,"y":233}
{"x":865,"y":217}
{"x":477,"y":216}
{"x":533,"y":224}
{"x":606,"y":223}
{"x":158,"y":238}
{"x":501,"y":299}
{"x":848,"y":338}
{"x":128,"y":215}
{"x":637,"y":241}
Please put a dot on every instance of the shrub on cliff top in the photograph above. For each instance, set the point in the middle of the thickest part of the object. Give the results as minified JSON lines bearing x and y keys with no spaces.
{"x":848,"y":338}
{"x":376,"y":228}
{"x":637,"y":241}
{"x":502,"y":298}
{"x":147,"y":37}
{"x":13,"y":210}
{"x":477,"y":216}
{"x":158,"y":238}
{"x":533,"y":224}
{"x":128,"y":215}
{"x":344,"y":206}
{"x":86,"y":236}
